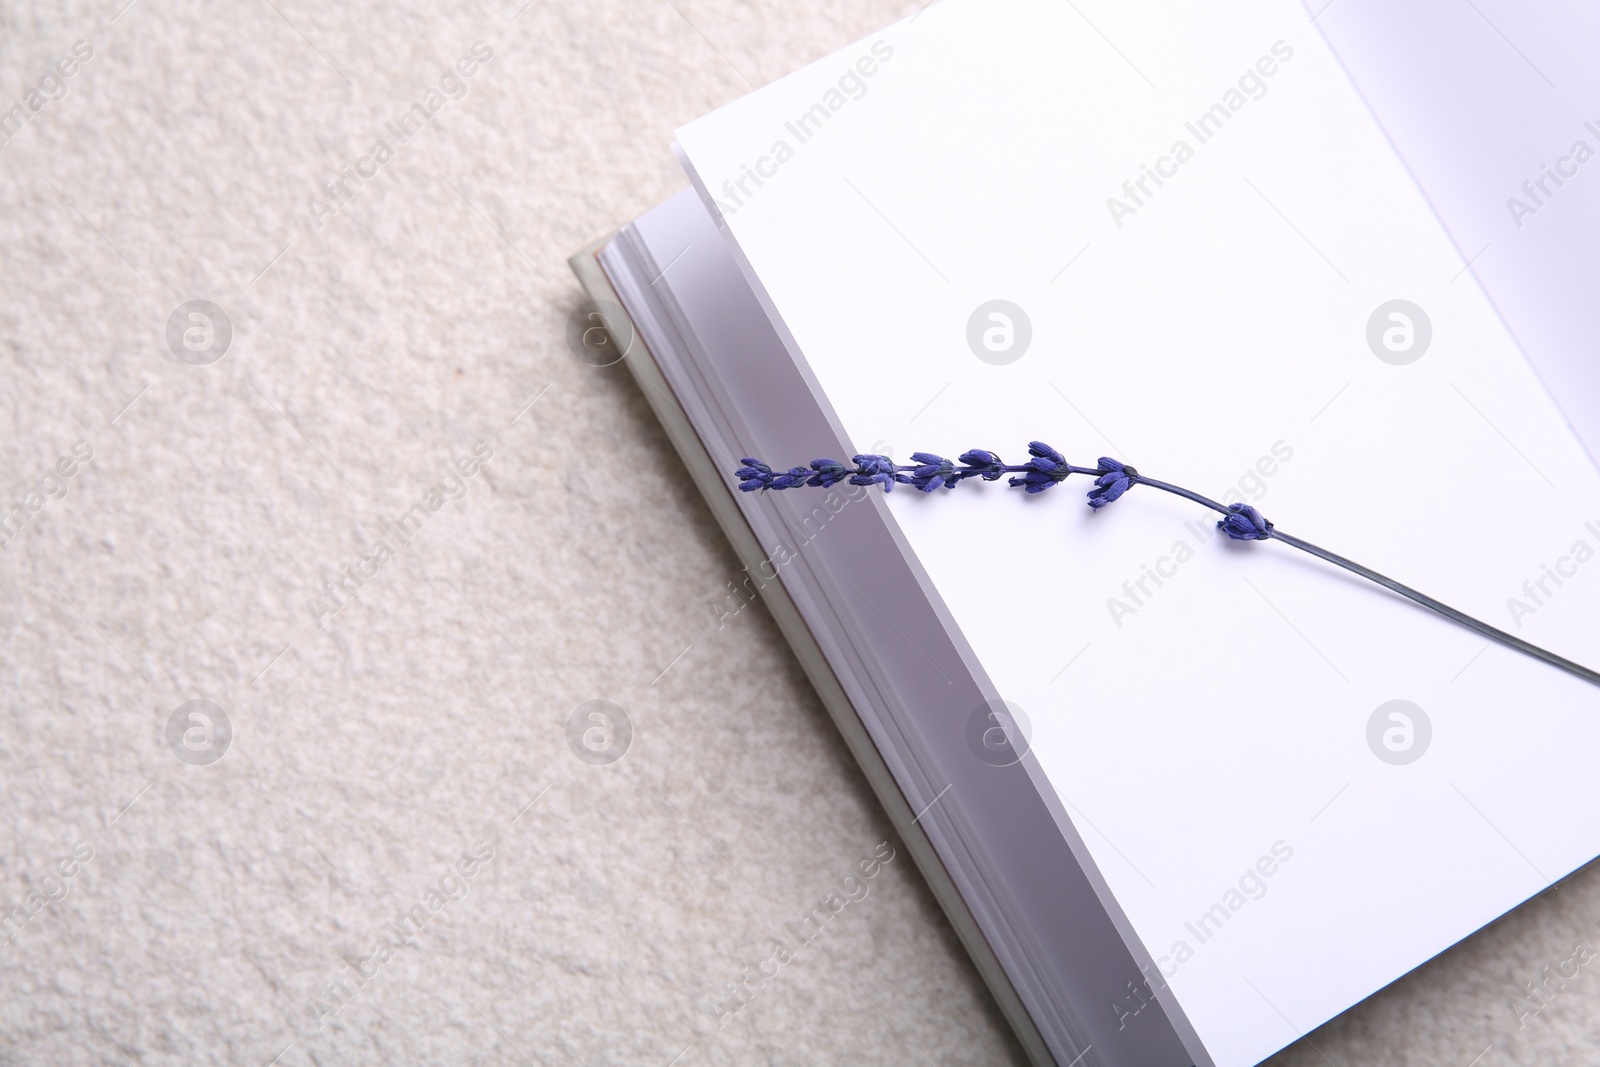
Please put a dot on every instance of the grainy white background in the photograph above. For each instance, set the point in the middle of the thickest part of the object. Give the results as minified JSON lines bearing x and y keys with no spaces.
{"x":424,"y":316}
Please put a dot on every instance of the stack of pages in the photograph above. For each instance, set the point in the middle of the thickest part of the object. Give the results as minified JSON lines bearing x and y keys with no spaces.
{"x":1185,"y":799}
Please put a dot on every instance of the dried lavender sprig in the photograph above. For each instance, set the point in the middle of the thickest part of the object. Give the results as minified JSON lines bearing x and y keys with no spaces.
{"x":1112,"y":479}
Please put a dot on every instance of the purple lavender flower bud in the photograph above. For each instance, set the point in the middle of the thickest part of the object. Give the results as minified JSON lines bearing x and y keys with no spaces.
{"x":1045,"y":469}
{"x":874,"y":470}
{"x":981,"y":464}
{"x":753,"y":475}
{"x":791,"y":478}
{"x":1112,"y":484}
{"x":932,"y":472}
{"x":828,"y":471}
{"x":1245,"y":524}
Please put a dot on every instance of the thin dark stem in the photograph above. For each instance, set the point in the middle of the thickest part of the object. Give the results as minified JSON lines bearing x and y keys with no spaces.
{"x":1167,"y":487}
{"x":1443,"y":609}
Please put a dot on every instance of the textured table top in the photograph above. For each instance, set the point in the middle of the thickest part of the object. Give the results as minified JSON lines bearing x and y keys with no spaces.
{"x":291,"y":429}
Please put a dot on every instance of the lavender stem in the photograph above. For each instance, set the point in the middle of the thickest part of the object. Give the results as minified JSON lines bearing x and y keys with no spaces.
{"x":1446,"y":610}
{"x":1113,"y":479}
{"x":1166,"y":487}
{"x":1459,"y":617}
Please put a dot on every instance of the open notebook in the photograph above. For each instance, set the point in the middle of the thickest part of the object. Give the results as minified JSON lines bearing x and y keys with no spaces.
{"x":1231,"y":247}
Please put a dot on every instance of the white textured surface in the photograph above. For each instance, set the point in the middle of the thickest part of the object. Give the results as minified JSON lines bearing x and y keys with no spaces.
{"x":367,"y":756}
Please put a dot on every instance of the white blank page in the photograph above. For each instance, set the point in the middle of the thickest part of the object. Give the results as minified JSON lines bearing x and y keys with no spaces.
{"x":1216,"y":337}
